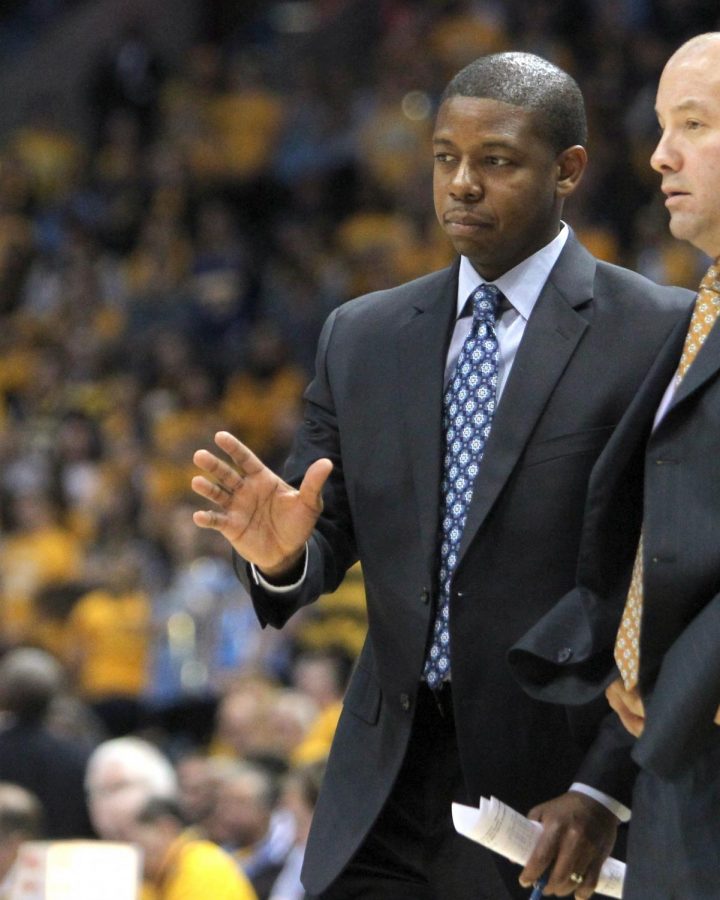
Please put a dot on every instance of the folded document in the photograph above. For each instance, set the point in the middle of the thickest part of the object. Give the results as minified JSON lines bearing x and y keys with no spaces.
{"x":507,"y":832}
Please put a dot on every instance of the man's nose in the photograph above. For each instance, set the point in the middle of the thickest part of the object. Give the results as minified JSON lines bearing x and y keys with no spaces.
{"x":465,"y":183}
{"x":665,"y":157}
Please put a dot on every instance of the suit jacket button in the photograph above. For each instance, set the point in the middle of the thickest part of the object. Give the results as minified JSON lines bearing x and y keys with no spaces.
{"x":425,"y":595}
{"x":405,"y":702}
{"x":564,"y":654}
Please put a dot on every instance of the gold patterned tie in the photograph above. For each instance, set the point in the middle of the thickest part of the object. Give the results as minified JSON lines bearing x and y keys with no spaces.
{"x":627,"y":643}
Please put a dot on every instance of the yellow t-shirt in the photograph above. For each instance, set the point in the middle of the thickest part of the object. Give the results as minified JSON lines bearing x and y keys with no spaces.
{"x":29,"y":561}
{"x":200,"y":870}
{"x":111,"y":637}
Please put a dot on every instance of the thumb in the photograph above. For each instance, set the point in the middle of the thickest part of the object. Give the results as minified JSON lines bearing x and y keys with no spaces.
{"x":313,"y":483}
{"x":536,"y":813}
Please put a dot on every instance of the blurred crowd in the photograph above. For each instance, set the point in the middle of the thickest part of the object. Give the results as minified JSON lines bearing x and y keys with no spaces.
{"x":22,"y":21}
{"x":165,"y":274}
{"x":227,"y":819}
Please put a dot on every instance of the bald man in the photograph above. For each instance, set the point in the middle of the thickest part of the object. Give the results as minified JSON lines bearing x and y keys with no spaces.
{"x":645,"y":625}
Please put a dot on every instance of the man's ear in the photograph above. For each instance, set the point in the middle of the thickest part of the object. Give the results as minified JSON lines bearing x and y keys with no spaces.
{"x":570,"y":167}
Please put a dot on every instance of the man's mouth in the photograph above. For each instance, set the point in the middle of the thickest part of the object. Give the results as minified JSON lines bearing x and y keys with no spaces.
{"x":672,"y":195}
{"x":465,"y":223}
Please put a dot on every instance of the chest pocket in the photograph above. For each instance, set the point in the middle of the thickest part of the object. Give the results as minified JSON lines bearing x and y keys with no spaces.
{"x":591,"y":440}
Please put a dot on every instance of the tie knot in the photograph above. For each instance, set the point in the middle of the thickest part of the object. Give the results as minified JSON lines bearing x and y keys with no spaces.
{"x":711,"y":279}
{"x":485,"y":301}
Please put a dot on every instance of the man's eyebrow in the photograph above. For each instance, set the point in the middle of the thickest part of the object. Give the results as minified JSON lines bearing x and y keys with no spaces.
{"x":690,"y":104}
{"x":490,"y":143}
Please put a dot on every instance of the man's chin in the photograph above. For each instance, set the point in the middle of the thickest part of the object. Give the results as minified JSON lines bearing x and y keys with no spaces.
{"x":688,"y":230}
{"x":682,"y":228}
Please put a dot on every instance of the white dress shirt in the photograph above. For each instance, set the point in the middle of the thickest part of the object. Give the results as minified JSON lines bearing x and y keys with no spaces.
{"x":521,"y":287}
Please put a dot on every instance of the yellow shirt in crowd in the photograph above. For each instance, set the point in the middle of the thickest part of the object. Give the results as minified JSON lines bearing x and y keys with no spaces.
{"x":110,"y":638}
{"x":199,"y":870}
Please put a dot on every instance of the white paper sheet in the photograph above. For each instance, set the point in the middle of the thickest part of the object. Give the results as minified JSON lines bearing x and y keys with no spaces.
{"x":505,"y":831}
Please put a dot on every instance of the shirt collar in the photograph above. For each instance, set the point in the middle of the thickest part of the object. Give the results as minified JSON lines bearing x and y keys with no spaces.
{"x":521,"y":284}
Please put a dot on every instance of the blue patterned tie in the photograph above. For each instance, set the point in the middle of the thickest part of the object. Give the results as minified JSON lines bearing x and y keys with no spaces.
{"x":468,"y":408}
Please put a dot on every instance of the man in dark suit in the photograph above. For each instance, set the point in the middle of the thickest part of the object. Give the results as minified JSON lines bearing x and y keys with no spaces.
{"x":372,"y":475}
{"x":644,"y":622}
{"x":50,"y":766}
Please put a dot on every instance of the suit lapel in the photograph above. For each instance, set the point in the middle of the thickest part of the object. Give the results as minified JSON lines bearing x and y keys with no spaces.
{"x":704,"y":367}
{"x":553,"y":331}
{"x":422,"y":348}
{"x":636,"y":423}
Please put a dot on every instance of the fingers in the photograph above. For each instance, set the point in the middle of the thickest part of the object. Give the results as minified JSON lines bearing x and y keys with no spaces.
{"x":543,"y":859}
{"x":244,"y":459}
{"x":569,"y":864}
{"x":631,"y":699}
{"x":224,"y":480}
{"x":634,"y":724}
{"x":216,"y":492}
{"x":578,"y":834}
{"x":313,"y":483}
{"x":573,"y":869}
{"x":210,"y":518}
{"x":634,"y":703}
{"x":628,"y":705}
{"x":244,"y":487}
{"x":590,"y":880}
{"x":222,"y":473}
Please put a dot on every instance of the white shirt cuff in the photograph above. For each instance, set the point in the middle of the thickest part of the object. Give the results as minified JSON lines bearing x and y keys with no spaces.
{"x":615,"y":807}
{"x":259,"y":579}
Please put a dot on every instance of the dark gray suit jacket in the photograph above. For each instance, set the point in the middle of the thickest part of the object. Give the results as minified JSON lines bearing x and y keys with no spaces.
{"x":567,"y":656}
{"x":374,"y":408}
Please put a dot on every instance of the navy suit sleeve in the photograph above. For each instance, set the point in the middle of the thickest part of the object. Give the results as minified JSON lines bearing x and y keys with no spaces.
{"x":567,"y":656}
{"x":331,"y":547}
{"x":685,"y":698}
{"x":608,"y":764}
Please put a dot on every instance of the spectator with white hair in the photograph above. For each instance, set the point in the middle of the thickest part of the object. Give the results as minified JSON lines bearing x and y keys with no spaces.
{"x":123,"y":774}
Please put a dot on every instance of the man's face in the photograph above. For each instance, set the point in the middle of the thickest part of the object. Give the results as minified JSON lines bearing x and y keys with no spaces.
{"x":240,"y":818}
{"x":497,"y":185}
{"x":688,"y":153}
{"x":197,"y":788}
{"x":114,"y":798}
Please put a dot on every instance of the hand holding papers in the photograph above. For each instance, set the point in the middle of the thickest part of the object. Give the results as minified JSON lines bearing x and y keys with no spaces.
{"x":507,"y":832}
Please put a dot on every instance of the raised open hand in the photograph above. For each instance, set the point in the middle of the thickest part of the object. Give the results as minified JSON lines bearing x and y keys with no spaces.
{"x":265,"y":519}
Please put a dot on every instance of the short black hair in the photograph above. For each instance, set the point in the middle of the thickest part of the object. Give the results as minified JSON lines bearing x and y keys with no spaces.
{"x":30,"y":679}
{"x":158,"y":808}
{"x":530,"y":82}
